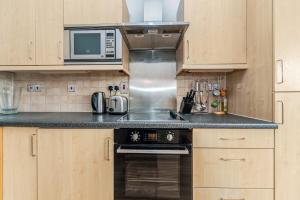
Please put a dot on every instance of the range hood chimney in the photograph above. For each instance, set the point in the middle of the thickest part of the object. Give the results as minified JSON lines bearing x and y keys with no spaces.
{"x":154,"y":33}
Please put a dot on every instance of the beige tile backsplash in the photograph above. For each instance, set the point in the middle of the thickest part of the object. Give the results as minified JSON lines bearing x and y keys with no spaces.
{"x":54,"y":95}
{"x":185,"y":84}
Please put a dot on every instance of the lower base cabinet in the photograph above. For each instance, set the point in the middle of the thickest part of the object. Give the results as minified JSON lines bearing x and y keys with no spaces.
{"x":57,"y":164}
{"x":75,"y":164}
{"x":19,"y":164}
{"x":233,"y":194}
{"x":233,"y":164}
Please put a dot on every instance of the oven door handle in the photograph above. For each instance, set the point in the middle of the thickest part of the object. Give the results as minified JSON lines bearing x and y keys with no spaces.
{"x":185,"y":151}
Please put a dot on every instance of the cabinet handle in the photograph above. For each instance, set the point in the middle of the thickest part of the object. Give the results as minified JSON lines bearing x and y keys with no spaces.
{"x":188,"y":49}
{"x":226,"y":139}
{"x":59,"y":50}
{"x":281,"y":115}
{"x":232,"y":199}
{"x":107,"y":149}
{"x":233,"y":159}
{"x":34,"y":145}
{"x":279,"y":71}
{"x":30,"y":50}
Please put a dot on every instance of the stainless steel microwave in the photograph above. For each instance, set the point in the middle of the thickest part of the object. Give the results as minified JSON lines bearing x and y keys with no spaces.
{"x":92,"y":46}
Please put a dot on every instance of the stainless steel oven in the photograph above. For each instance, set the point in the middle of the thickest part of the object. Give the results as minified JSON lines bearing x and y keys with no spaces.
{"x":153,"y":164}
{"x":90,"y":45}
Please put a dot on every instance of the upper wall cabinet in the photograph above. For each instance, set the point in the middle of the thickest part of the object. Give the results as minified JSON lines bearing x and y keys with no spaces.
{"x":287,"y":45}
{"x":95,"y":11}
{"x":31,"y":32}
{"x":49,"y":32}
{"x":216,"y":38}
{"x":17,"y":35}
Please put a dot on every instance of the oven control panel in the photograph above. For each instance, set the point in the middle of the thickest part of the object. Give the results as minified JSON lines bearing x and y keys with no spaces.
{"x":153,"y":137}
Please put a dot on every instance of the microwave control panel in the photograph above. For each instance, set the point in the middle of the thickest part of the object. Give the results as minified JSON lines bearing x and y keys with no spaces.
{"x":110,"y":41}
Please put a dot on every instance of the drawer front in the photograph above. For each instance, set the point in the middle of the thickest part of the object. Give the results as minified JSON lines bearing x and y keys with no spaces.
{"x":232,"y":194}
{"x":233,"y":138}
{"x":233,"y":168}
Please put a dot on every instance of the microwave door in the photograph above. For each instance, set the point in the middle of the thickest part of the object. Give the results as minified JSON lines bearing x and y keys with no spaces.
{"x":87,"y":44}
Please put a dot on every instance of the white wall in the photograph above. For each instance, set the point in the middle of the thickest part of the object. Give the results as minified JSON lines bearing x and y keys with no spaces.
{"x":136,"y":10}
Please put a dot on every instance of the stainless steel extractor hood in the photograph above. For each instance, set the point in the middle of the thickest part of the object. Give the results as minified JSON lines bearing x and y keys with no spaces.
{"x":153,"y":33}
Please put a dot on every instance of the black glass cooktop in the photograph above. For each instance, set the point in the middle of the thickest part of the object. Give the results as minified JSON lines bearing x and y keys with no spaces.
{"x":153,"y":117}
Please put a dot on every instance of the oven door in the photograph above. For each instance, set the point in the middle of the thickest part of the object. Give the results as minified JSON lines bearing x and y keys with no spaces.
{"x":153,"y":172}
{"x":87,"y":44}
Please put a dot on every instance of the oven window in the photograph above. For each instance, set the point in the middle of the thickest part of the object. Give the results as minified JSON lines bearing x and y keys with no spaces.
{"x":152,"y":177}
{"x":87,"y":43}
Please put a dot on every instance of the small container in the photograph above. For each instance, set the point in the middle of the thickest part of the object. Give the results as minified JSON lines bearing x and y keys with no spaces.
{"x":10,"y":99}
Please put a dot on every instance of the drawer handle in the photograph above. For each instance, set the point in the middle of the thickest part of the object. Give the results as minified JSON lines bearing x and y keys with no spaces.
{"x":232,"y":199}
{"x":280,"y":71}
{"x":107,"y":147}
{"x":226,"y":139}
{"x":233,"y":159}
{"x":33,"y":145}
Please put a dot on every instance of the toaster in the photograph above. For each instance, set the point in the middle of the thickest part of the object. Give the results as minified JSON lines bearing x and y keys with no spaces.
{"x":117,"y":105}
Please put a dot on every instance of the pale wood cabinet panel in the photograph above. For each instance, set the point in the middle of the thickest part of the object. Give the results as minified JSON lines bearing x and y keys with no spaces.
{"x":17,"y":35}
{"x":233,"y":168}
{"x":287,"y":45}
{"x":49,"y":32}
{"x":93,"y":11}
{"x":75,"y":164}
{"x":233,"y":138}
{"x":217,"y":32}
{"x":19,"y":164}
{"x":232,"y":194}
{"x":287,"y":148}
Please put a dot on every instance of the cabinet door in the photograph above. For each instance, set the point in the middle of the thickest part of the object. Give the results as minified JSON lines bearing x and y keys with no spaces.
{"x":233,"y":168}
{"x":232,"y":194}
{"x":287,"y":148}
{"x":92,"y":11}
{"x":217,"y":32}
{"x":287,"y":45}
{"x":17,"y":35}
{"x":75,"y":164}
{"x":19,"y":164}
{"x":49,"y":32}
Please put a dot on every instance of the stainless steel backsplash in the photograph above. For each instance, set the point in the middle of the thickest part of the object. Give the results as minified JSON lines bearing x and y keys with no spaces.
{"x":152,"y":81}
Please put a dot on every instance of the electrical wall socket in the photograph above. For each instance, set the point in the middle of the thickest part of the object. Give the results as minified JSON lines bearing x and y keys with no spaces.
{"x":71,"y":88}
{"x":34,"y":88}
{"x":124,"y":87}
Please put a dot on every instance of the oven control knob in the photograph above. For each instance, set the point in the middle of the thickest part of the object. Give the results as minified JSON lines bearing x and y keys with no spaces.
{"x":170,"y":136}
{"x":135,"y":136}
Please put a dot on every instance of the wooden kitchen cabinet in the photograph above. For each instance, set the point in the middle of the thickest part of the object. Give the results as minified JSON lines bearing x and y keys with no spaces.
{"x":216,"y":37}
{"x":287,"y":148}
{"x":19,"y":164}
{"x":49,"y":32}
{"x":233,"y":194}
{"x":17,"y":35}
{"x":234,"y":138}
{"x":31,"y":33}
{"x":287,"y":45}
{"x":95,"y":12}
{"x":75,"y":164}
{"x":233,"y":164}
{"x":233,"y":168}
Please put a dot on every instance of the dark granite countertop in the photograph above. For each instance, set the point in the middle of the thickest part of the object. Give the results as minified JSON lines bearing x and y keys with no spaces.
{"x":89,"y":120}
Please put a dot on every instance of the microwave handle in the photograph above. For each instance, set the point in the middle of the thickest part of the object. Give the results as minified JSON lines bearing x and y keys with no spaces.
{"x":153,"y":151}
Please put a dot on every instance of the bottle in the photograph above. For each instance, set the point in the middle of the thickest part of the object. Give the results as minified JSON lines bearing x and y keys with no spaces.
{"x":225,"y":105}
